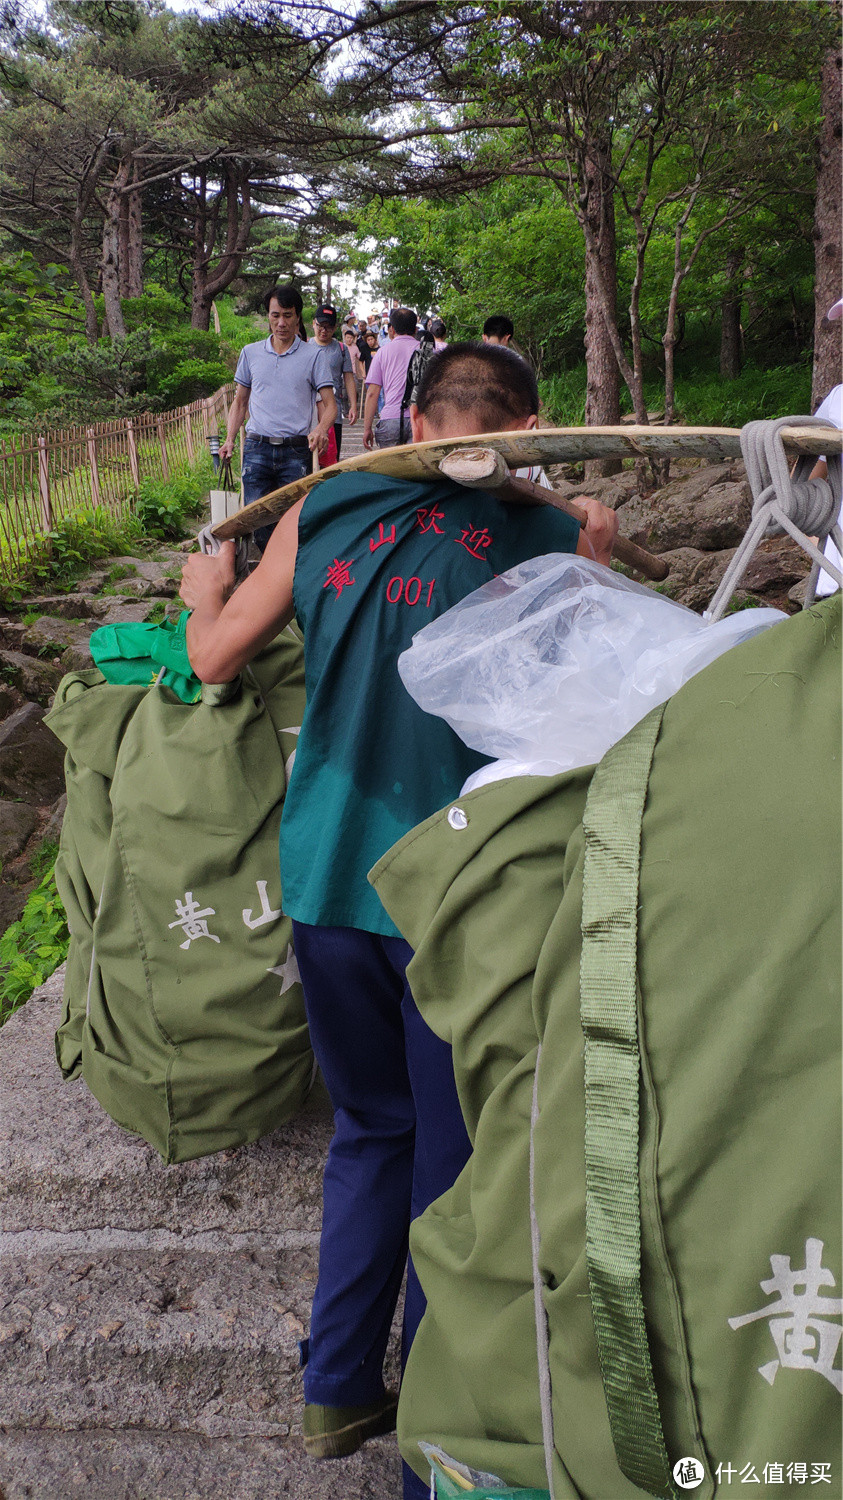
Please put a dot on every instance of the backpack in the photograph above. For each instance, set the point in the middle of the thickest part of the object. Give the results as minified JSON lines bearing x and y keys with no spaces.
{"x":665,"y":928}
{"x":183,"y":1009}
{"x":419,"y":361}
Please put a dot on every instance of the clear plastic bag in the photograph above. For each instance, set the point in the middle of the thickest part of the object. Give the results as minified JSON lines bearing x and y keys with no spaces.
{"x":548,"y":665}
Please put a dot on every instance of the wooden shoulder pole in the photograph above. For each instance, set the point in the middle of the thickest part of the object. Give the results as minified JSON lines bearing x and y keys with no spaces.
{"x":483,"y":469}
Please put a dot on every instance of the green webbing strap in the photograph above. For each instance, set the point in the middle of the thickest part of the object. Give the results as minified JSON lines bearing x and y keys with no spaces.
{"x":608,"y":988}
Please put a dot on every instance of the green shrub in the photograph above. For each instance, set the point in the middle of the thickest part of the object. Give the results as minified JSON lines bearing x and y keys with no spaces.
{"x":33,"y":947}
{"x":43,"y":859}
{"x":164,"y":505}
{"x":239,"y":328}
{"x":191,"y":380}
{"x":61,"y":555}
{"x":707,"y":400}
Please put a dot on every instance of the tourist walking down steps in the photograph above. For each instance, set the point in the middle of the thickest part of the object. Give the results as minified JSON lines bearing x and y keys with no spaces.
{"x":388,"y":371}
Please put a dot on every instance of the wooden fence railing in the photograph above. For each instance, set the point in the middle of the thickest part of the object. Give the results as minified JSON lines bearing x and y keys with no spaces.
{"x":45,"y":477}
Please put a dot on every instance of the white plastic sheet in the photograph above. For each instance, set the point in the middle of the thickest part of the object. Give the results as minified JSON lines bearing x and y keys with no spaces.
{"x":548,"y":665}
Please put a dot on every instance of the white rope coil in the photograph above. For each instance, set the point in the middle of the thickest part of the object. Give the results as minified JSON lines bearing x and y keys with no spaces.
{"x":784,"y":502}
{"x":809,"y":503}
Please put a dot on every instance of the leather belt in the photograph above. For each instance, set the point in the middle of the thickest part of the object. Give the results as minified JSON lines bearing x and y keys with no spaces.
{"x":287,"y":442}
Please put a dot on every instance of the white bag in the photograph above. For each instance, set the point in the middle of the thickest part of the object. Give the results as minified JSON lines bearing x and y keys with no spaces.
{"x":225,"y":502}
{"x":548,"y":665}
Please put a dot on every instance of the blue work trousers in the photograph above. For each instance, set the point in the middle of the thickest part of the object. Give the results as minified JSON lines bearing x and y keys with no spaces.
{"x":399,"y":1142}
{"x":266,"y":467}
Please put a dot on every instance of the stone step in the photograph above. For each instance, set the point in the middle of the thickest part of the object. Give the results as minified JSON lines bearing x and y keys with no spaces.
{"x":202,"y":1342}
{"x":180,"y":1466}
{"x":150,"y":1315}
{"x":65,"y":1165}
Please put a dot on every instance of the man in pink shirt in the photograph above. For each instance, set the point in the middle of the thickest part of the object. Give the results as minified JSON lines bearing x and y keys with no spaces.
{"x":389,"y":370}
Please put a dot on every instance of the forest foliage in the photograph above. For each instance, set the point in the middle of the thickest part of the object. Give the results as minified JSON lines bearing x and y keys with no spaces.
{"x":640,"y":180}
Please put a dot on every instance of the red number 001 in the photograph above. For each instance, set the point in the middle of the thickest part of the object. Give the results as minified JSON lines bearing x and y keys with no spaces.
{"x":410,"y":591}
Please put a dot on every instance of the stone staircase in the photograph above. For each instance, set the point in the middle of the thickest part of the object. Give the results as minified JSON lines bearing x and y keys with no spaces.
{"x":149,"y":1315}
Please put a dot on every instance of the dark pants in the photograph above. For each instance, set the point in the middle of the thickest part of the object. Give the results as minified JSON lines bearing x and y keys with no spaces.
{"x":266,"y":467}
{"x":399,"y":1142}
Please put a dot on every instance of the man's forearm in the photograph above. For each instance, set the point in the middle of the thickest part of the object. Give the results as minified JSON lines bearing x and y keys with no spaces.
{"x":203,"y":634}
{"x":318,"y":436}
{"x":372,"y":393}
{"x":329,"y":413}
{"x":236,"y":417}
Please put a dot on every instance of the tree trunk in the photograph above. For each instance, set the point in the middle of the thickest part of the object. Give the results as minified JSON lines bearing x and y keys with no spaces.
{"x":675,"y":323}
{"x":91,"y":321}
{"x":123,"y":247}
{"x":111,"y":253}
{"x":78,"y":267}
{"x":110,"y":271}
{"x":730,"y":315}
{"x":77,"y":238}
{"x":134,"y":243}
{"x":635,"y":381}
{"x":827,"y":235}
{"x":602,"y":401}
{"x":209,"y":284}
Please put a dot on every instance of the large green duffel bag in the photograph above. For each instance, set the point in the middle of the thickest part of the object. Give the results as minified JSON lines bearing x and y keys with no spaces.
{"x":666,"y":929}
{"x":183,"y":1009}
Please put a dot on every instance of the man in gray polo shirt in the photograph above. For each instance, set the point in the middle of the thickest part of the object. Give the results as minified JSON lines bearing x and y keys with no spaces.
{"x":278,"y":382}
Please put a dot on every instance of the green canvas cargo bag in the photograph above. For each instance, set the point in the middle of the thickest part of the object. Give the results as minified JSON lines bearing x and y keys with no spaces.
{"x":667,"y":931}
{"x":183,"y":1009}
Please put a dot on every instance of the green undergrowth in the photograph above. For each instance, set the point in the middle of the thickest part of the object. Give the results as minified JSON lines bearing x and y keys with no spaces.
{"x":703,"y":399}
{"x":163,"y":506}
{"x":161,"y":513}
{"x":34,"y":946}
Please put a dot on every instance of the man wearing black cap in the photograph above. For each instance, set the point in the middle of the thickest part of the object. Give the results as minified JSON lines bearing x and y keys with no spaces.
{"x":324,"y":326}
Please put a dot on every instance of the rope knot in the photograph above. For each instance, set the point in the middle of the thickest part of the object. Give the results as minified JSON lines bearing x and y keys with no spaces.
{"x":809,"y":504}
{"x":785,"y":502}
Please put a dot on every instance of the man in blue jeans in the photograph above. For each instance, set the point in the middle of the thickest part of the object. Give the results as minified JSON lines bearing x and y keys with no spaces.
{"x":364,"y":561}
{"x":278,"y":381}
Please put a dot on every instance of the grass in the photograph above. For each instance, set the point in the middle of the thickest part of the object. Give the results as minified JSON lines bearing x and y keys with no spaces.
{"x":703,"y":399}
{"x":238,"y":329}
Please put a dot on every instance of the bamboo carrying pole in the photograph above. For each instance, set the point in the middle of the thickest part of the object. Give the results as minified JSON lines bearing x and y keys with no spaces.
{"x":546,"y":445}
{"x":483,"y":469}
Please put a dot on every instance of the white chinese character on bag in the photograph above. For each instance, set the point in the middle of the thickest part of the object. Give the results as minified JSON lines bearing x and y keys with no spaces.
{"x":804,"y":1339}
{"x":192,"y":921}
{"x":266,"y":913}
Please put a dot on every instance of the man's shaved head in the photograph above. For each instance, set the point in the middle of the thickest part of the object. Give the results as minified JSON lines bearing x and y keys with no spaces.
{"x":492,"y":384}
